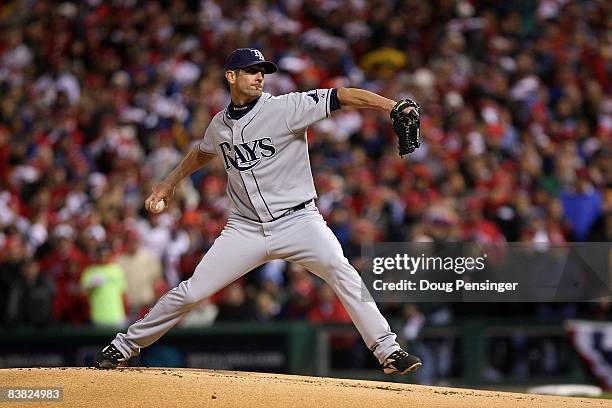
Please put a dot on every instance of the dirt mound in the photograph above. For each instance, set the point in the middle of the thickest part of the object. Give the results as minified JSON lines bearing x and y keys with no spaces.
{"x":158,"y":387}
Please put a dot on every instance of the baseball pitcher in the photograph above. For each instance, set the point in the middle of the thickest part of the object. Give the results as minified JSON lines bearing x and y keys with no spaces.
{"x":261,"y":141}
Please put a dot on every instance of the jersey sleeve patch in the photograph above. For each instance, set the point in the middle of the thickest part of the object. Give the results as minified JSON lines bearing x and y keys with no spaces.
{"x":306,"y":108}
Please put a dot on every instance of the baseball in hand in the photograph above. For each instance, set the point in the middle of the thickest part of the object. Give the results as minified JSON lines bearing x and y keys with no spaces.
{"x":161,"y":204}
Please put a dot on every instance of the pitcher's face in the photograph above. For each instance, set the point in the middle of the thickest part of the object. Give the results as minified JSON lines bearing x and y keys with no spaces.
{"x":248,"y":81}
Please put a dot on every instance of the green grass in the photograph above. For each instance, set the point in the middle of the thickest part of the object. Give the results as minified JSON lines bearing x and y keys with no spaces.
{"x":607,"y":395}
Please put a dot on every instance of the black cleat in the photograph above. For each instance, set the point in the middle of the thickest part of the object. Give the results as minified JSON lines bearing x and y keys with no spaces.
{"x":110,"y":358}
{"x":401,"y":362}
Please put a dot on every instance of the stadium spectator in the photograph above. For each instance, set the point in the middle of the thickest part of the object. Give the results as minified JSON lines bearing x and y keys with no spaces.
{"x":234,"y":304}
{"x":300,"y":293}
{"x":30,"y":298}
{"x":12,"y":262}
{"x":63,"y":263}
{"x":327,"y":308}
{"x":582,"y":206}
{"x":143,"y":275}
{"x":266,"y":308}
{"x":105,"y":285}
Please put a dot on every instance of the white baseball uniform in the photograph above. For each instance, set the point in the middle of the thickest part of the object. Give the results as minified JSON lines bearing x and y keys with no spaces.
{"x":273,"y":216}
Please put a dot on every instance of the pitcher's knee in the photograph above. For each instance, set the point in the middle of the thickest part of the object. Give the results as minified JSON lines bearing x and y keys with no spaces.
{"x":334,"y":263}
{"x":195,"y":293}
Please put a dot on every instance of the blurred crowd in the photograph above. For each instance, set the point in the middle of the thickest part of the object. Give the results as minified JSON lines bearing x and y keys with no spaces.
{"x":98,"y":100}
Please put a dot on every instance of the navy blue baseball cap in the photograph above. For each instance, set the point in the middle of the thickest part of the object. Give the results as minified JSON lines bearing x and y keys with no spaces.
{"x":247,"y":57}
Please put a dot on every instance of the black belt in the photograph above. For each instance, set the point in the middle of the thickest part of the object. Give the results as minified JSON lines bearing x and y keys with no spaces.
{"x":297,"y":208}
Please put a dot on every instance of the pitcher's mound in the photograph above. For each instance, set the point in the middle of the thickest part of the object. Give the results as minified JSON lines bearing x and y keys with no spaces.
{"x":161,"y":387}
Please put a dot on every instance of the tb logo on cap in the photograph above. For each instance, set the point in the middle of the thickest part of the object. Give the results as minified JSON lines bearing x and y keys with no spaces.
{"x":258,"y":54}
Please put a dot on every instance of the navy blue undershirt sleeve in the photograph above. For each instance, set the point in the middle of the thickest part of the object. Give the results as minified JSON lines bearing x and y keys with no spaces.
{"x":334,"y":102}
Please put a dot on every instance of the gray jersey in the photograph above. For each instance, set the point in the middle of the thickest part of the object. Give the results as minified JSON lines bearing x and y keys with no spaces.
{"x":265,"y":153}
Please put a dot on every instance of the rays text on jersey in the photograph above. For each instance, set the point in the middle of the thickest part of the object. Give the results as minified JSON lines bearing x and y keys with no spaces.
{"x":245,"y":156}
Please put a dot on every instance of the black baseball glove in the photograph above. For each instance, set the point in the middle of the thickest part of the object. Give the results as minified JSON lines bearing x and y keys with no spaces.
{"x":406,"y":125}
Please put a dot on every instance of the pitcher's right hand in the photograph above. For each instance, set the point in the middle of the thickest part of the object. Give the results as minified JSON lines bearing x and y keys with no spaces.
{"x":161,"y":191}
